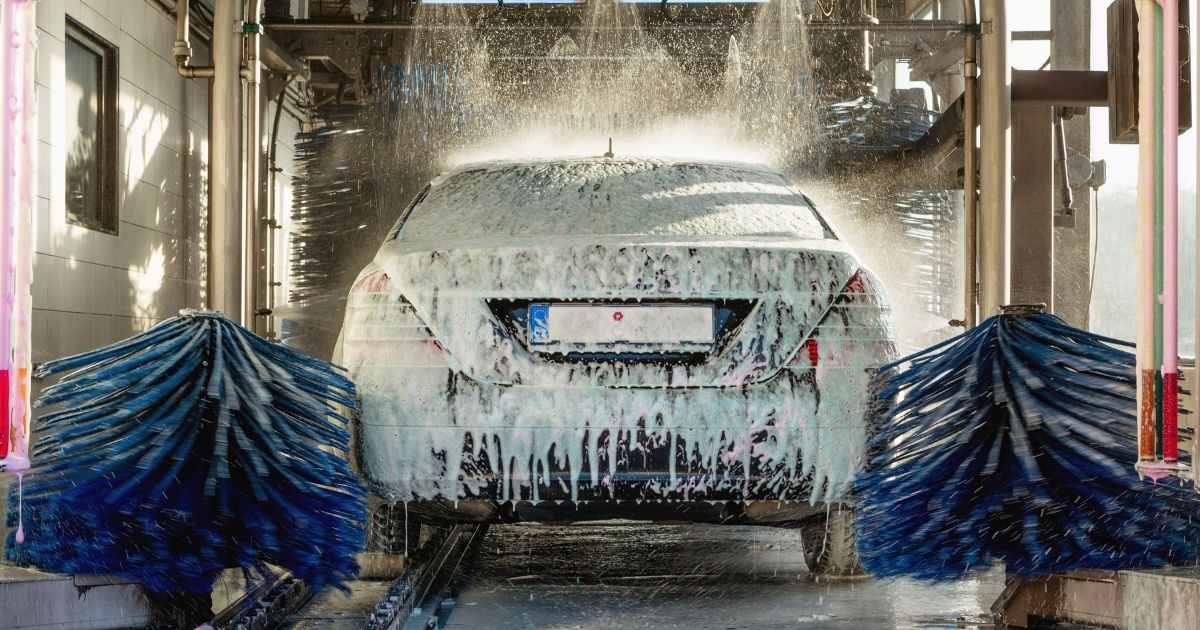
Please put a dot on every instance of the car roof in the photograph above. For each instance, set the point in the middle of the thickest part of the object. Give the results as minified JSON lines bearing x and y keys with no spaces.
{"x":488,"y":165}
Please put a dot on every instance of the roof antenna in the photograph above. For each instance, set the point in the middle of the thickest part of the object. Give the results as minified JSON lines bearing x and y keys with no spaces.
{"x":609,"y":153}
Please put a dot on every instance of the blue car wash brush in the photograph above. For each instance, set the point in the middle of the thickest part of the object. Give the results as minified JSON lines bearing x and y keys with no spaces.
{"x":1015,"y":442}
{"x":191,"y":448}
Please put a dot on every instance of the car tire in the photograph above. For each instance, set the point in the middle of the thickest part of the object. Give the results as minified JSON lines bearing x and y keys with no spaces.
{"x":829,"y":544}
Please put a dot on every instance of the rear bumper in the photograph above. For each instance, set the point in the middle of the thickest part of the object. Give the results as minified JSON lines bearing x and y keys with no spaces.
{"x":772,"y":513}
{"x":431,"y":434}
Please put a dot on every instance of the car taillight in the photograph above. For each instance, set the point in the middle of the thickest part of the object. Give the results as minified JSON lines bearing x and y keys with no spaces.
{"x":810,"y":353}
{"x":859,"y":283}
{"x":411,"y":339}
{"x":386,"y":327}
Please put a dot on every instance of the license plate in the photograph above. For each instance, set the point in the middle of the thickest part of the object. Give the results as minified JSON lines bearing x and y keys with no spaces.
{"x":665,"y":325}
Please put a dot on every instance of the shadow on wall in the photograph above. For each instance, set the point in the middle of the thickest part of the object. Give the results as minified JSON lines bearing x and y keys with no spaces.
{"x":92,"y":288}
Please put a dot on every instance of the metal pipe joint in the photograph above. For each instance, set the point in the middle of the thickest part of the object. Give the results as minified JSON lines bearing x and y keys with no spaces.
{"x":183,"y":46}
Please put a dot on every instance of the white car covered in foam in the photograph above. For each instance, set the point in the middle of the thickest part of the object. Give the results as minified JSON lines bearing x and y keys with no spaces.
{"x":608,"y":337}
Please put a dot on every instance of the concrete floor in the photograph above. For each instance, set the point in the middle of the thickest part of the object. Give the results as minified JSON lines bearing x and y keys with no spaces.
{"x":636,"y":575}
{"x":33,"y":599}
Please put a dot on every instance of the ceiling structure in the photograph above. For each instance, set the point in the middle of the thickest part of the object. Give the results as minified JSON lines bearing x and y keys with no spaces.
{"x":342,"y":40}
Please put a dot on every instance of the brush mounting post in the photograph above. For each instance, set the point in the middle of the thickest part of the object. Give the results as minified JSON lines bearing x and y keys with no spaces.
{"x":1023,"y":309}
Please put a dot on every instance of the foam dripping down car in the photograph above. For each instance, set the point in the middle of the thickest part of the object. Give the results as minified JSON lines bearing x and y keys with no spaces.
{"x":611,"y":337}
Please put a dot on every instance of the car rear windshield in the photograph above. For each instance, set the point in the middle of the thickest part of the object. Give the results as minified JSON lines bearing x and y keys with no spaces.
{"x":612,"y":197}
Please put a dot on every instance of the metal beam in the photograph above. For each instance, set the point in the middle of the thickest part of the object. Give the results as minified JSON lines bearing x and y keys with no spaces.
{"x":279,"y":60}
{"x":1032,"y":252}
{"x":1032,"y":36}
{"x":930,"y":26}
{"x":1064,"y":88}
{"x":969,"y":113}
{"x":252,"y":259}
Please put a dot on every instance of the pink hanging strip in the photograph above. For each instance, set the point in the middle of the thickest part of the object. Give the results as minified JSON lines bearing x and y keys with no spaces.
{"x":1146,"y":368}
{"x":17,"y":122}
{"x":1170,"y":175}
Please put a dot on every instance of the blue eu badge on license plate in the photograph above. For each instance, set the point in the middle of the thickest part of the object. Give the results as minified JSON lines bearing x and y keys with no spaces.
{"x":539,"y":322}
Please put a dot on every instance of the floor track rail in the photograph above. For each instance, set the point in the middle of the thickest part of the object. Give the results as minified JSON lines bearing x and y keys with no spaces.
{"x":432,"y":576}
{"x":265,"y":606}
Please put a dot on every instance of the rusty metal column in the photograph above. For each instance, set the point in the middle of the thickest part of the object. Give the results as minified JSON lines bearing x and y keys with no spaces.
{"x":225,"y":176}
{"x":995,"y":96}
{"x":1032,"y":255}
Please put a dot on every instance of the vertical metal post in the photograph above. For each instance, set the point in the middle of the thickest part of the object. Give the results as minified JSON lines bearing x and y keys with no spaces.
{"x":266,"y":222}
{"x":225,"y":178}
{"x":1070,"y":49}
{"x":251,"y":220}
{"x":1032,"y":255}
{"x":995,"y":157}
{"x":271,"y":209}
{"x":970,"y":119}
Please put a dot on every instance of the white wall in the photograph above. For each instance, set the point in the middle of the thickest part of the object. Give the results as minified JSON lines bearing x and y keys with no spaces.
{"x":91,"y":288}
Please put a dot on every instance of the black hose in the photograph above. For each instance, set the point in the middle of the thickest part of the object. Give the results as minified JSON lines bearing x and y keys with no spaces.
{"x":275,"y":125}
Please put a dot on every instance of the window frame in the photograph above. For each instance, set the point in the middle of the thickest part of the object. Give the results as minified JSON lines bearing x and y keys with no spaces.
{"x":107,"y":128}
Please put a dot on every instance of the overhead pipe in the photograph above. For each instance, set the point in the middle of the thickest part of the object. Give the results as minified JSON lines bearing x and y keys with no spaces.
{"x":225,"y":177}
{"x":970,"y":165}
{"x":995,"y":171}
{"x":183,"y":45}
{"x":894,"y":26}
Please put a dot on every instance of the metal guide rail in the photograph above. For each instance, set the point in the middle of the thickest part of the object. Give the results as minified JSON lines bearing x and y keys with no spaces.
{"x":429,"y":579}
{"x":264,"y":605}
{"x":429,"y":582}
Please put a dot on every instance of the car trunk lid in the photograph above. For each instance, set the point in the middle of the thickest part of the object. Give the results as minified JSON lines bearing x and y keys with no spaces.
{"x":476,"y":296}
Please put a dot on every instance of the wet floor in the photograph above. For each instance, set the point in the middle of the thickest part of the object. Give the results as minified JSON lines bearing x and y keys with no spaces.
{"x":636,"y":575}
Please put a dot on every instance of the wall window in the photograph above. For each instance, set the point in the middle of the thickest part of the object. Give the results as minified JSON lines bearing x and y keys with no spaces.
{"x":91,"y":129}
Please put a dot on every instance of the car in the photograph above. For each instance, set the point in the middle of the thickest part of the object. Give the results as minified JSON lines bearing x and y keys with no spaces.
{"x":616,"y":337}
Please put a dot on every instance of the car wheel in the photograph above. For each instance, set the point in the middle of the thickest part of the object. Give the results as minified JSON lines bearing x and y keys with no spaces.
{"x":388,"y":530}
{"x":829,"y":544}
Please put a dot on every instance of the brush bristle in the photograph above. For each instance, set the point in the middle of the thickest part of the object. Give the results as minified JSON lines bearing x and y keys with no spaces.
{"x":1015,"y":442}
{"x":191,"y":448}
